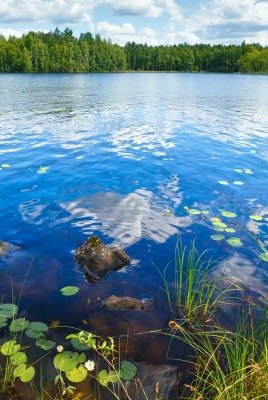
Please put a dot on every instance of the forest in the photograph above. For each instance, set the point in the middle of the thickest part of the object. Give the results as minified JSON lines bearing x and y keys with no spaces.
{"x":62,"y":52}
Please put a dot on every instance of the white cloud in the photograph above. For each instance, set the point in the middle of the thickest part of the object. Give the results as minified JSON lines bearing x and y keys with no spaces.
{"x":13,"y":32}
{"x":106,"y":29}
{"x":148,"y":8}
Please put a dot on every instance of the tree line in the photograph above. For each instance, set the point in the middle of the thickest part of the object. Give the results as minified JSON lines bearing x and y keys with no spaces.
{"x":62,"y":52}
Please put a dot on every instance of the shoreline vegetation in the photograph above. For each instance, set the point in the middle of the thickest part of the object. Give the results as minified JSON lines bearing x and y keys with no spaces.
{"x":223,"y":332}
{"x":61,"y":52}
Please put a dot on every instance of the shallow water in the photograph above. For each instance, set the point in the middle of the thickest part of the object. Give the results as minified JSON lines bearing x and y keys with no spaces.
{"x":122,"y":149}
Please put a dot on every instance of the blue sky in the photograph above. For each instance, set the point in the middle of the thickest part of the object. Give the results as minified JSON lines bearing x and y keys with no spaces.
{"x":155,"y":22}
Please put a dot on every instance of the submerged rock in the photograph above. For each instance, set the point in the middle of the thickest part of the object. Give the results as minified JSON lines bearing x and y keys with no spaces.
{"x":99,"y":259}
{"x":123,"y":303}
{"x":5,"y":248}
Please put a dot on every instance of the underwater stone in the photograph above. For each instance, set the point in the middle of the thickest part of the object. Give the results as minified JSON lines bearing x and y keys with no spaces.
{"x":123,"y":303}
{"x":98,"y":259}
{"x":5,"y":248}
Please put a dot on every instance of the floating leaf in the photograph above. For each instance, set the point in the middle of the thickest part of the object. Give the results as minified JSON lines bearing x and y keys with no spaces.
{"x":228,"y":214}
{"x":82,"y":357}
{"x":55,"y":324}
{"x":223,"y":182}
{"x":10,"y":347}
{"x":8,"y":310}
{"x":18,"y":358}
{"x":48,"y":345}
{"x":42,"y":170}
{"x":77,"y":345}
{"x":230,"y":230}
{"x":34,"y":334}
{"x":127,"y":370}
{"x":5,"y":165}
{"x":194,"y":211}
{"x":69,"y":290}
{"x":77,"y":374}
{"x":205,"y":212}
{"x":217,"y":237}
{"x":39,"y":326}
{"x":238,"y":170}
{"x":40,"y":341}
{"x":256,"y":217}
{"x":219,"y":224}
{"x":218,"y":229}
{"x":239,"y":183}
{"x":19,"y":370}
{"x":215,"y":219}
{"x":103,"y":377}
{"x":234,"y":241}
{"x":18,"y":325}
{"x":66,"y":361}
{"x":264,"y":256}
{"x":113,"y":378}
{"x":27,"y":375}
{"x":3,"y":322}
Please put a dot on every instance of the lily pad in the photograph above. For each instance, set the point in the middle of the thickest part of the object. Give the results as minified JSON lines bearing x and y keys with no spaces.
{"x":230,"y":230}
{"x":223,"y":183}
{"x":127,"y":370}
{"x":264,"y":256}
{"x":5,"y":165}
{"x":8,"y":310}
{"x":69,"y":290}
{"x":79,"y":346}
{"x":18,"y":324}
{"x":103,"y":377}
{"x":18,"y":358}
{"x":194,"y":211}
{"x":48,"y":345}
{"x":19,"y":370}
{"x":255,"y":217}
{"x":217,"y":237}
{"x":205,"y":212}
{"x":28,"y":374}
{"x":219,"y":224}
{"x":238,"y":170}
{"x":238,"y":183}
{"x":234,"y":241}
{"x":228,"y":214}
{"x":10,"y":347}
{"x":66,"y":361}
{"x":215,"y":219}
{"x":3,"y":322}
{"x":42,"y":170}
{"x":77,"y":374}
{"x":218,"y":229}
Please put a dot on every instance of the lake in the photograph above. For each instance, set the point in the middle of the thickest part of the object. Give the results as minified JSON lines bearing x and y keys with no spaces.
{"x":122,"y":155}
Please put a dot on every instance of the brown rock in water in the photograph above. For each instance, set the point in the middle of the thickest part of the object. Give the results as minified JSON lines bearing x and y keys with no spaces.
{"x":123,"y":303}
{"x":99,"y":259}
{"x":5,"y":248}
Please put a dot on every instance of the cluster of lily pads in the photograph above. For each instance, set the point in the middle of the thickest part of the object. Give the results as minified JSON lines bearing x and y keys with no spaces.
{"x":239,"y":183}
{"x":41,"y":169}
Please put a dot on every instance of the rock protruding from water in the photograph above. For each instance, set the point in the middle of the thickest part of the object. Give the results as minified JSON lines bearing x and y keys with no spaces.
{"x":5,"y":248}
{"x":123,"y":303}
{"x":99,"y":259}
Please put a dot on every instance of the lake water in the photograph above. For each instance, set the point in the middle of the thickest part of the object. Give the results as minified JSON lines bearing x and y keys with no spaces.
{"x":122,"y":149}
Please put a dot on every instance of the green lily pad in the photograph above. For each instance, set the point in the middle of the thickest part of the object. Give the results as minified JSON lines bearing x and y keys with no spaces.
{"x":218,"y":228}
{"x":69,"y":290}
{"x":219,"y":224}
{"x":234,"y":241}
{"x":34,"y":334}
{"x":5,"y":165}
{"x":28,"y":374}
{"x":103,"y":377}
{"x":77,"y":345}
{"x":8,"y":310}
{"x":127,"y":370}
{"x":55,"y":324}
{"x":10,"y":347}
{"x":42,"y":170}
{"x":77,"y":374}
{"x":217,"y":237}
{"x":3,"y":322}
{"x":223,"y":183}
{"x":18,"y":358}
{"x":194,"y":211}
{"x":205,"y":212}
{"x":19,"y":370}
{"x":228,"y":214}
{"x":18,"y":324}
{"x":230,"y":230}
{"x":255,"y":217}
{"x":82,"y":357}
{"x":264,"y":256}
{"x":215,"y":219}
{"x":66,"y":361}
{"x":238,"y":183}
{"x":113,"y":378}
{"x":48,"y":345}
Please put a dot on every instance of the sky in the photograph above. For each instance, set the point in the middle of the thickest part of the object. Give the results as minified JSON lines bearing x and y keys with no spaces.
{"x":155,"y":22}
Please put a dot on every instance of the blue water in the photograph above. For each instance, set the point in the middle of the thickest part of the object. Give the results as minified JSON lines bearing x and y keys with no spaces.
{"x":122,"y":149}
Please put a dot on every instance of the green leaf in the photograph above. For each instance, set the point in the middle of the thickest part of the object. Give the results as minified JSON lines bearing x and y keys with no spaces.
{"x":55,"y":324}
{"x":218,"y":229}
{"x":69,"y":290}
{"x":48,"y":345}
{"x":18,"y":358}
{"x":264,"y":256}
{"x":8,"y":310}
{"x":66,"y":361}
{"x":19,"y":370}
{"x":38,"y":326}
{"x":228,"y":214}
{"x":28,"y":374}
{"x":77,"y":345}
{"x":103,"y":377}
{"x":255,"y":217}
{"x":3,"y":322}
{"x":239,"y":183}
{"x":113,"y":378}
{"x":223,"y":182}
{"x":10,"y":347}
{"x":5,"y":165}
{"x":217,"y":237}
{"x":77,"y":374}
{"x":82,"y":357}
{"x":34,"y":334}
{"x":194,"y":211}
{"x":127,"y":370}
{"x":18,"y":324}
{"x":219,"y":224}
{"x":234,"y":241}
{"x":215,"y":219}
{"x":205,"y":212}
{"x":230,"y":230}
{"x":42,"y":170}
